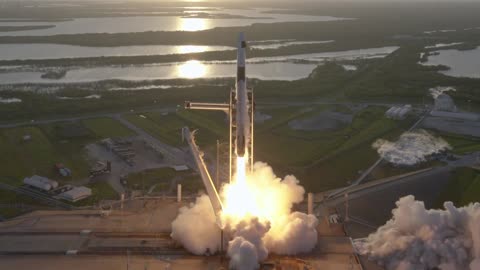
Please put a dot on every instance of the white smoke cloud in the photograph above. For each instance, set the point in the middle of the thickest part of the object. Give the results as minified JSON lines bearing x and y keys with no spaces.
{"x":417,"y":238}
{"x":195,"y":227}
{"x":243,"y":255}
{"x":437,"y":91}
{"x":411,"y":148}
{"x":294,"y":234}
{"x":251,"y":238}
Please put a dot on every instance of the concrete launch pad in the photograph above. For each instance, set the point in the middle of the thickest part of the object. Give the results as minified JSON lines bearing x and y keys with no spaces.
{"x":136,"y":238}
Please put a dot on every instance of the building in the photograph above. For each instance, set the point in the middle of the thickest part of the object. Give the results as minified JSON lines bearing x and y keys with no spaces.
{"x":76,"y":194}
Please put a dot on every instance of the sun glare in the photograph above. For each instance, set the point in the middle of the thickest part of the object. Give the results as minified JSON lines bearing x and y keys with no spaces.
{"x":182,"y":49}
{"x":192,"y":69}
{"x":193,"y":24}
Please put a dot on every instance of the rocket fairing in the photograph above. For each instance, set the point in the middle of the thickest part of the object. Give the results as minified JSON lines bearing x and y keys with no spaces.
{"x":241,"y":101}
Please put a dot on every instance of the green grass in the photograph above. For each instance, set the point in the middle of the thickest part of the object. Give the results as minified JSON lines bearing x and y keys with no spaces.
{"x":461,"y":144}
{"x":463,"y":188}
{"x":144,"y":180}
{"x":290,"y":147}
{"x":167,"y":128}
{"x":39,"y":155}
{"x":100,"y":191}
{"x":192,"y":184}
{"x":107,"y":128}
{"x":10,"y":197}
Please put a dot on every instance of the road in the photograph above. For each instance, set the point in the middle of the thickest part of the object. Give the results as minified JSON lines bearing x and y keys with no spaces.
{"x":367,"y":172}
{"x":174,"y":154}
{"x":265,"y":104}
{"x":86,"y":116}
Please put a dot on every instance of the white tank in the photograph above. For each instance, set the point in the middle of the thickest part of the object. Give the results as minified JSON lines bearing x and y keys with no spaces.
{"x":388,"y":113}
{"x":40,"y":182}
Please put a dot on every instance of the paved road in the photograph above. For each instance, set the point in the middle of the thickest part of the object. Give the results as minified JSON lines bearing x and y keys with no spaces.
{"x":367,"y":172}
{"x":174,"y":108}
{"x":86,"y":116}
{"x":175,"y":155}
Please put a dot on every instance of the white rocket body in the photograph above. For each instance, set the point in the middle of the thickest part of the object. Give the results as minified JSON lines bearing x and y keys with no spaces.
{"x":242,"y":103}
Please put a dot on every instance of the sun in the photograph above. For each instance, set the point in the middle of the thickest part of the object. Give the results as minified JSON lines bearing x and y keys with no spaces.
{"x":192,"y":69}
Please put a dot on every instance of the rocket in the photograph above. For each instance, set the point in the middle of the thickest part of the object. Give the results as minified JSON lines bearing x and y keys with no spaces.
{"x":240,"y":110}
{"x":242,"y":102}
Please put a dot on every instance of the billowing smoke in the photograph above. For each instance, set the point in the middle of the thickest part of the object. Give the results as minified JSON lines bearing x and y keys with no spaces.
{"x":267,"y":226}
{"x":411,"y":148}
{"x":417,"y":238}
{"x":437,"y":91}
{"x":195,"y":227}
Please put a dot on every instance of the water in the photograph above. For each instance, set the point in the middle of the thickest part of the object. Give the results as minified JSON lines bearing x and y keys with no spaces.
{"x":54,"y":51}
{"x":161,"y":23}
{"x":187,"y":70}
{"x":280,"y":44}
{"x":461,"y":63}
{"x":289,"y":68}
{"x":339,"y":55}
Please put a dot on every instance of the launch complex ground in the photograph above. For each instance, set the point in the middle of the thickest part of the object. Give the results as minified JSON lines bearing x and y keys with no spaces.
{"x":138,"y":236}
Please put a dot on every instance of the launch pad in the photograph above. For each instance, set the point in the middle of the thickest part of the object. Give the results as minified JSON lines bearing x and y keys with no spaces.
{"x":84,"y":239}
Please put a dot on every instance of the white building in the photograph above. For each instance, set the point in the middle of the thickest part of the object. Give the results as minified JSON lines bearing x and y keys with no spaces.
{"x":76,"y":194}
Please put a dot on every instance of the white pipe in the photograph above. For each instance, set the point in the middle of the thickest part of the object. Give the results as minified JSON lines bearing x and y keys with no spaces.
{"x":179,"y":192}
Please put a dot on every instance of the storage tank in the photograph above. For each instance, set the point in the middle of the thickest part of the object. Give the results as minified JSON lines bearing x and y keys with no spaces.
{"x":396,"y":112}
{"x":388,"y":113}
{"x":38,"y":182}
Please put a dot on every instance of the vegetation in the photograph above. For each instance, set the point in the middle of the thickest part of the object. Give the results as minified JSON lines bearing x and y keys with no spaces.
{"x":100,"y":191}
{"x":14,"y":204}
{"x":463,"y":188}
{"x":167,"y":127}
{"x":107,"y":128}
{"x":146,"y":179}
{"x":24,"y":28}
{"x":462,"y":144}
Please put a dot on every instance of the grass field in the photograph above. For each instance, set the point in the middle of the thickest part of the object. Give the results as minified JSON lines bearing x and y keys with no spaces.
{"x":461,"y":144}
{"x":50,"y":144}
{"x":107,"y":128}
{"x":12,"y":198}
{"x":462,"y":189}
{"x":281,"y":144}
{"x":100,"y":191}
{"x":167,"y":128}
{"x":38,"y":155}
{"x":146,"y":179}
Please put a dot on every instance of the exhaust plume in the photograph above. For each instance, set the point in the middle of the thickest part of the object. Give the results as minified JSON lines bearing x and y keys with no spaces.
{"x":417,"y":238}
{"x":411,"y":148}
{"x":257,"y":220}
{"x":195,"y":227}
